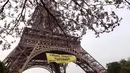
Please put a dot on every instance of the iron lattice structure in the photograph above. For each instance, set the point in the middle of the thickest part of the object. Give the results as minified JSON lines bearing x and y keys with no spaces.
{"x":33,"y":45}
{"x":41,"y":39}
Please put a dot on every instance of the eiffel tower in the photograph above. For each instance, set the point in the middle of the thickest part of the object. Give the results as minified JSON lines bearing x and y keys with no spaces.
{"x":39,"y":40}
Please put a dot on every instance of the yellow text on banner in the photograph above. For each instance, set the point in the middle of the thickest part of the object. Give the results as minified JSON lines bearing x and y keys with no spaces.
{"x":60,"y":58}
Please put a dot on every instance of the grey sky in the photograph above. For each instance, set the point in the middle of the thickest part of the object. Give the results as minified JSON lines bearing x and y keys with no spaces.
{"x":113,"y":46}
{"x":108,"y":48}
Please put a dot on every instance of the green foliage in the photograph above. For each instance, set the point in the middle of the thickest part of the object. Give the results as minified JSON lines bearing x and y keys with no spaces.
{"x":114,"y":67}
{"x":119,"y":67}
{"x":125,"y":70}
{"x":3,"y":69}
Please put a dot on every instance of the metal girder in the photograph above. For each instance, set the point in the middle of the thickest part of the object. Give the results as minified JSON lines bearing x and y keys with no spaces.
{"x":35,"y":43}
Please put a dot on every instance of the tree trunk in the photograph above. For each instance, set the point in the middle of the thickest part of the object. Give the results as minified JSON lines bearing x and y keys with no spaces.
{"x":57,"y":68}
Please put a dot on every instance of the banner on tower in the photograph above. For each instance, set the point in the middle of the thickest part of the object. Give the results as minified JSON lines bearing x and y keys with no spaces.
{"x":60,"y":58}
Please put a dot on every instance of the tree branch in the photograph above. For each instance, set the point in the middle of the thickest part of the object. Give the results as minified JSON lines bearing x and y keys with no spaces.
{"x":19,"y":16}
{"x":127,"y":2}
{"x":53,"y":17}
{"x":2,"y":9}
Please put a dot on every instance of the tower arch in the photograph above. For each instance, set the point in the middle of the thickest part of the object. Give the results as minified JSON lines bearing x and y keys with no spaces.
{"x":36,"y":69}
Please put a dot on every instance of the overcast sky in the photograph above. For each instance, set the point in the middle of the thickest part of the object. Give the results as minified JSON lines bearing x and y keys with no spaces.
{"x":108,"y":48}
